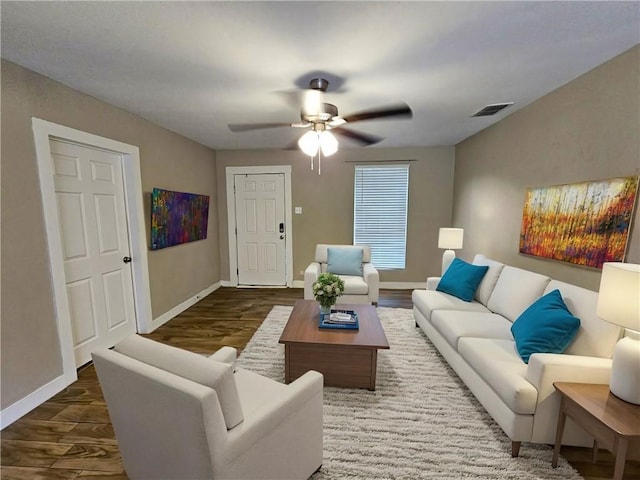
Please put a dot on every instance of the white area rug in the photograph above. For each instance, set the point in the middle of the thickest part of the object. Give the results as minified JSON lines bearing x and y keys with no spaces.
{"x":421,"y":422}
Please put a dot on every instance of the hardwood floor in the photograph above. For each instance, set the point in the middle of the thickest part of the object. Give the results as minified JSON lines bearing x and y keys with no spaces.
{"x":70,"y":436}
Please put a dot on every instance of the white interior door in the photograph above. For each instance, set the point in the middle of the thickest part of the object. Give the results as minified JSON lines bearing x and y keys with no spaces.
{"x":91,"y":208}
{"x":260,"y":225}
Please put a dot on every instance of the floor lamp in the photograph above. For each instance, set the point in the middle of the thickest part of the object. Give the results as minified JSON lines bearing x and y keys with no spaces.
{"x":619,"y":303}
{"x":449,"y":238}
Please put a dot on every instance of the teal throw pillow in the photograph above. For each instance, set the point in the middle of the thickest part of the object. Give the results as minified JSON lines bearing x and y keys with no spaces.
{"x":344,"y":260}
{"x":546,"y":326}
{"x":461,"y":279}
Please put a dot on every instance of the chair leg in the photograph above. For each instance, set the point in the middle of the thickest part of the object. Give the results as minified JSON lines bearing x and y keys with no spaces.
{"x":515,"y":449}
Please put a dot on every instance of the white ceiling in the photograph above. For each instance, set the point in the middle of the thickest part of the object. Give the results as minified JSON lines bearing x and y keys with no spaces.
{"x":194,"y":67}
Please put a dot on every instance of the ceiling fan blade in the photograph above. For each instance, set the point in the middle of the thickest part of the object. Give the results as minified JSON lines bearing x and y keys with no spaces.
{"x":292,"y":146}
{"x":245,"y":127}
{"x":361,"y":138}
{"x":399,"y":110}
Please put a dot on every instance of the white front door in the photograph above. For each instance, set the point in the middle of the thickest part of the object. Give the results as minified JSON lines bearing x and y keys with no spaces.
{"x":260,"y":225}
{"x":90,"y":199}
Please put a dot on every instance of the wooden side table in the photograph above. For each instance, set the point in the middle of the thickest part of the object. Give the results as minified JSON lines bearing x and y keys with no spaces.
{"x":613,"y":423}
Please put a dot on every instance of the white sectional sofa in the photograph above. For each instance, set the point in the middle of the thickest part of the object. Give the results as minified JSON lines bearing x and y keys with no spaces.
{"x":475,"y":339}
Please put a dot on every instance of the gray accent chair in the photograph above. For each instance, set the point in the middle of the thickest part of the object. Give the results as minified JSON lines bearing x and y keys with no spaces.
{"x":180,"y":415}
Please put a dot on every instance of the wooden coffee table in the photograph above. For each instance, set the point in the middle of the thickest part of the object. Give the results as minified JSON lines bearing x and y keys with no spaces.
{"x":346,"y":358}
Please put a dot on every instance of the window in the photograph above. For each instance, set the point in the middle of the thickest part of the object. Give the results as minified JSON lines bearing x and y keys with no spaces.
{"x":380,"y":213}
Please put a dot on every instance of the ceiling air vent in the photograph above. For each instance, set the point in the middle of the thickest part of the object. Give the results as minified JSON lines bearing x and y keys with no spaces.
{"x":492,"y":109}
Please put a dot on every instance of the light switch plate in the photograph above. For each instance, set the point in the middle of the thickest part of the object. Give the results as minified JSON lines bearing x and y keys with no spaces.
{"x":298,"y":210}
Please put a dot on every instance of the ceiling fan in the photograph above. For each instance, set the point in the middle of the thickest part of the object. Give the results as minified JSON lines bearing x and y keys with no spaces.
{"x":322,"y":120}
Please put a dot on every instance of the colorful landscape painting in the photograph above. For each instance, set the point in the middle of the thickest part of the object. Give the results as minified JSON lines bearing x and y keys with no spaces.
{"x":177,"y":217}
{"x":583,"y":223}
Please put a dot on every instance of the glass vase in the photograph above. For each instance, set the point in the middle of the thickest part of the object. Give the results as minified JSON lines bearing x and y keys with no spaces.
{"x":325,"y":309}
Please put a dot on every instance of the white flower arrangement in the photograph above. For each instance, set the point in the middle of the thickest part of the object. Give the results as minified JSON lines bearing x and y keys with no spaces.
{"x":327,"y":288}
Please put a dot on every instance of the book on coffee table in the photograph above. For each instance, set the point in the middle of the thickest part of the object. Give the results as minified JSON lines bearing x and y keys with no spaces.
{"x":345,"y":319}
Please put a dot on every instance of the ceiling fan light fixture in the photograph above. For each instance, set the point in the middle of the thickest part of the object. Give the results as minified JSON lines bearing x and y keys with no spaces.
{"x":328,"y":143}
{"x":309,"y":143}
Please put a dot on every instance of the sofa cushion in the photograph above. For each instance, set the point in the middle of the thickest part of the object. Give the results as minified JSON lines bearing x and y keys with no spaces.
{"x":453,"y":324}
{"x":344,"y":260}
{"x":547,"y":326}
{"x":497,"y":362}
{"x":428,"y":301}
{"x":515,"y":290}
{"x":354,"y":285}
{"x":205,"y":371}
{"x":254,"y":389}
{"x":461,"y":279}
{"x":595,"y":338}
{"x":488,"y":283}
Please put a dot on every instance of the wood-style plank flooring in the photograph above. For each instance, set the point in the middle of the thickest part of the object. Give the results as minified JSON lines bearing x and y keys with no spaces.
{"x":70,"y":436}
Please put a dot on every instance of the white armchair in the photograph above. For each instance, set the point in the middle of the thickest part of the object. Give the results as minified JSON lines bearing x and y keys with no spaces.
{"x":363,"y":288}
{"x":180,"y":415}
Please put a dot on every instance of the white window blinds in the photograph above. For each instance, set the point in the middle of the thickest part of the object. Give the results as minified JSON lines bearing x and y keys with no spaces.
{"x":380,"y":213}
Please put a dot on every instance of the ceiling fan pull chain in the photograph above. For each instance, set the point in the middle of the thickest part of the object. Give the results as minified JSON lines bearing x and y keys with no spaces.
{"x":312,"y":162}
{"x":319,"y":162}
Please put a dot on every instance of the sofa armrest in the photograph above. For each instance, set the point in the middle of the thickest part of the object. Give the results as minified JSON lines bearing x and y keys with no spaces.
{"x":311,"y":274}
{"x":225,"y":355}
{"x":546,"y":368}
{"x":277,"y":410}
{"x":372,"y":279}
{"x":432,"y":282}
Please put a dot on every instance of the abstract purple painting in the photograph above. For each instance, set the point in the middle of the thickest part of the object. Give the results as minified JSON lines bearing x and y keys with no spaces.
{"x":177,"y":217}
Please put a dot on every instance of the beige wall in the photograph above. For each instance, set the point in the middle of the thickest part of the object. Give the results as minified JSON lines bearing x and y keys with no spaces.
{"x":30,"y":352}
{"x":586,"y":130}
{"x":327,"y":202}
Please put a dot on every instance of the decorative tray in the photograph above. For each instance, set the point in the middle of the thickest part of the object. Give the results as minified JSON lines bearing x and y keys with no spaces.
{"x":340,"y":319}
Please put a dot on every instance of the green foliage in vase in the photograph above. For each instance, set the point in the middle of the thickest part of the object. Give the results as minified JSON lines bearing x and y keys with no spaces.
{"x":327,"y":288}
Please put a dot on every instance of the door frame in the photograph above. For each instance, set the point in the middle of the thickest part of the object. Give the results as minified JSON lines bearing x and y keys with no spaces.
{"x":43,"y":131}
{"x":231,"y":217}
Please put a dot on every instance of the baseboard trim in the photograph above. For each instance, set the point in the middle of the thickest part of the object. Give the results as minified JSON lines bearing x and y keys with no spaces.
{"x":23,"y":406}
{"x":403,"y":285}
{"x":388,"y":285}
{"x":178,"y":309}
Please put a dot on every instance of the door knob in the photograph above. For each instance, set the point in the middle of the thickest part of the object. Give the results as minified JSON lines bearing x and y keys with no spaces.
{"x":126,"y":259}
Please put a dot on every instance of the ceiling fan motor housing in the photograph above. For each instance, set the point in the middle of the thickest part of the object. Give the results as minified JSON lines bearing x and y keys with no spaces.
{"x":327,"y":113}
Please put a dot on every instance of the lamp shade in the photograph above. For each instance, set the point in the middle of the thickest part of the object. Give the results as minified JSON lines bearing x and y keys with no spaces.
{"x":619,"y":295}
{"x":450,"y":238}
{"x":328,"y":143}
{"x":309,"y":143}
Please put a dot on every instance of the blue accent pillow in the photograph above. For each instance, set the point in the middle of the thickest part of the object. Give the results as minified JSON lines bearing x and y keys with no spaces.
{"x":546,"y":326}
{"x":344,"y":261}
{"x":461,"y":279}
